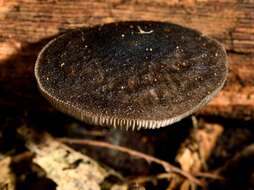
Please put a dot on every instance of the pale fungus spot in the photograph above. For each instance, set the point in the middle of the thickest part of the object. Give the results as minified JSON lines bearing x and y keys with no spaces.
{"x":141,"y":31}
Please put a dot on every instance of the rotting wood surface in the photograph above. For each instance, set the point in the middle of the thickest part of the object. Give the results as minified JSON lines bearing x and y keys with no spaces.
{"x":25,"y":26}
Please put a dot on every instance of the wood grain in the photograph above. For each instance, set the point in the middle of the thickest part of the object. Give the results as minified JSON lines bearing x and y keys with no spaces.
{"x":26,"y":25}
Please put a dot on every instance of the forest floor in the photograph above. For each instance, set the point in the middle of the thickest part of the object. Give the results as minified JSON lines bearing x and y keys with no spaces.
{"x":44,"y":150}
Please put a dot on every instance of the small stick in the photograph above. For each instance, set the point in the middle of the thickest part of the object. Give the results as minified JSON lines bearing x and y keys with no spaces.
{"x":208,"y":175}
{"x":167,"y":166}
{"x":160,"y":176}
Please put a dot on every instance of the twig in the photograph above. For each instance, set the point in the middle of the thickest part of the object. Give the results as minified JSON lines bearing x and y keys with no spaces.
{"x":23,"y":156}
{"x":208,"y":175}
{"x":167,"y":166}
{"x":143,"y":179}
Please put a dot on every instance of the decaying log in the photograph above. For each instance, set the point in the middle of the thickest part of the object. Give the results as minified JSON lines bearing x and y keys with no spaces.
{"x":25,"y":26}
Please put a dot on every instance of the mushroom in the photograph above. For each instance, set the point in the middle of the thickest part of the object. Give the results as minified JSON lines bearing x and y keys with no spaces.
{"x":138,"y":74}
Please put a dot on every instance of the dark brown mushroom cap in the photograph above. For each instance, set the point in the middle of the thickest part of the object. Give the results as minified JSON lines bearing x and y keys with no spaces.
{"x":131,"y":74}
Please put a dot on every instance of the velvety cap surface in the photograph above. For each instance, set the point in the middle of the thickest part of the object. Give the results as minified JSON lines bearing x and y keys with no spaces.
{"x":131,"y":74}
